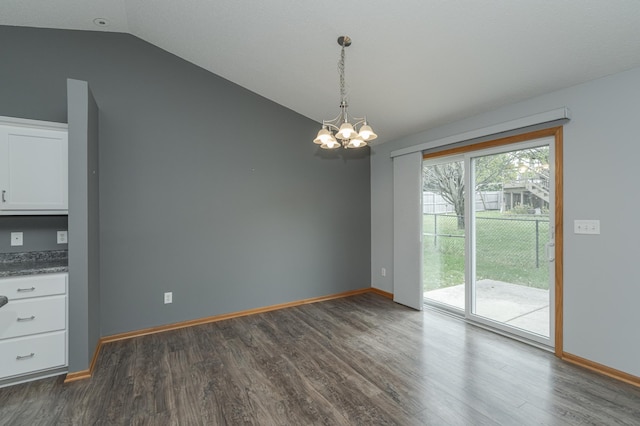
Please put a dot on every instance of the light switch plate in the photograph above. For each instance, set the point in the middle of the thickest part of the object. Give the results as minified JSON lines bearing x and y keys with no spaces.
{"x":591,"y":227}
{"x":62,"y":237}
{"x":16,"y":238}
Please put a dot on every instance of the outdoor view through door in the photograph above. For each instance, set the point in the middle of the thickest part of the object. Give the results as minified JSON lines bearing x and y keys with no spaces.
{"x":488,"y":251}
{"x":443,"y":230}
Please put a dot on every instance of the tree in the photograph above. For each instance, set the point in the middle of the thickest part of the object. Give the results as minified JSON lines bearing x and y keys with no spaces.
{"x":447,"y":179}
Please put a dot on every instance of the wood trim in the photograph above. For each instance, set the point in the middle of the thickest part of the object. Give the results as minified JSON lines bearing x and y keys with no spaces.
{"x":94,"y":360}
{"x":85,"y":374}
{"x":602,"y":369}
{"x":77,"y":375}
{"x":557,"y":133}
{"x":553,"y":131}
{"x":559,"y":241}
{"x":215,"y":318}
{"x":381,"y":293}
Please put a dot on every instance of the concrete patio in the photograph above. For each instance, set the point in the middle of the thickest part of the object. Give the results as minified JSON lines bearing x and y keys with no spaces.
{"x":523,"y":307}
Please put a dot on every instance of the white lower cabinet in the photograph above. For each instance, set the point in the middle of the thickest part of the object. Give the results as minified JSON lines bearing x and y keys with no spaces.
{"x":31,"y":354}
{"x":33,"y":325}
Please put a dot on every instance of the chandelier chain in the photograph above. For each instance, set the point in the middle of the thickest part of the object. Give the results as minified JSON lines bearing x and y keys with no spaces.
{"x":343,"y":92}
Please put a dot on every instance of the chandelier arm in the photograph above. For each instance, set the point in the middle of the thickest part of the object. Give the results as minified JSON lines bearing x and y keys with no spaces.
{"x":358,"y":121}
{"x":333,"y":124}
{"x":336,"y":122}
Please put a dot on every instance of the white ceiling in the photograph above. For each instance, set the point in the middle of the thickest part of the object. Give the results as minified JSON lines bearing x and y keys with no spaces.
{"x":414,"y":64}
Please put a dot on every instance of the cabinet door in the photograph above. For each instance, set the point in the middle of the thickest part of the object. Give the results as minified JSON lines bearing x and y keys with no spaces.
{"x":30,"y":354}
{"x":33,"y":176}
{"x":33,"y":316}
{"x":30,"y":286}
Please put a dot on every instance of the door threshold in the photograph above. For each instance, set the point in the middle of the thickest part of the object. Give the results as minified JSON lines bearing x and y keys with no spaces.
{"x":454,"y":313}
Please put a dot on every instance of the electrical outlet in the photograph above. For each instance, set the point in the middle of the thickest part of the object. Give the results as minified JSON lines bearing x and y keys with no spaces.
{"x":168,"y":297}
{"x":16,"y":238}
{"x":62,"y":237}
{"x":383,"y":272}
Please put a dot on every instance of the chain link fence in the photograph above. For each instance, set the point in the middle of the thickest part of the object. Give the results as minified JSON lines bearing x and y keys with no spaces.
{"x":508,"y":249}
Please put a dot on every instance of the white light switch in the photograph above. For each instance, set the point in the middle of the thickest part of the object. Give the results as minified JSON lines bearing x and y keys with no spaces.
{"x":586,"y":227}
{"x":62,"y":237}
{"x":16,"y":238}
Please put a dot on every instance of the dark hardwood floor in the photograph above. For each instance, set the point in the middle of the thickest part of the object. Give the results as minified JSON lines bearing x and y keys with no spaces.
{"x":358,"y":360}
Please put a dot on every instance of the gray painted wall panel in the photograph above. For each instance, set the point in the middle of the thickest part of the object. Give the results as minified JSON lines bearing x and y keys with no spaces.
{"x":84,"y":238}
{"x":206,"y":189}
{"x":78,"y":225}
{"x":93,"y":222}
{"x":600,"y":157}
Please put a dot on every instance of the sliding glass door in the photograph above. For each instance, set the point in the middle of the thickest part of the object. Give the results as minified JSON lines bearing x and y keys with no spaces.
{"x":488,"y":237}
{"x":510,"y":218}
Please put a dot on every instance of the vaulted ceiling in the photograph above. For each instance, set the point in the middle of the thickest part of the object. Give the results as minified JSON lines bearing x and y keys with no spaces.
{"x":413,"y":64}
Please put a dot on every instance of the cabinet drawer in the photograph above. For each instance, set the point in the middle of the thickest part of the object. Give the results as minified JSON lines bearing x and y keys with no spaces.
{"x":33,"y":286}
{"x":31,"y":316}
{"x":31,"y":354}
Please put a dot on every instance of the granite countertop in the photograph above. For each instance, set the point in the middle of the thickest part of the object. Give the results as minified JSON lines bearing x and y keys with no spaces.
{"x":32,"y":263}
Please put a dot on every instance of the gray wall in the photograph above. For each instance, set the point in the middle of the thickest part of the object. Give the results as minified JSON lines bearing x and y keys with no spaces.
{"x":601,"y":151}
{"x":206,"y":189}
{"x":84,"y":238}
{"x":39,"y":233}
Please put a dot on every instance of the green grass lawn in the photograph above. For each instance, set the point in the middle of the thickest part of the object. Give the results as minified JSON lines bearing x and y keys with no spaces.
{"x":505,"y":250}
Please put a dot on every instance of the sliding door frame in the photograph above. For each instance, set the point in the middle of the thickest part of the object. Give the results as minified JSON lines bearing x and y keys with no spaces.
{"x":556,"y":133}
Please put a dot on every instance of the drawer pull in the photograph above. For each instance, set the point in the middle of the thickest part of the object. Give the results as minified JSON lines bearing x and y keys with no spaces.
{"x":26,"y":290}
{"x":20,"y":358}
{"x":31,"y":318}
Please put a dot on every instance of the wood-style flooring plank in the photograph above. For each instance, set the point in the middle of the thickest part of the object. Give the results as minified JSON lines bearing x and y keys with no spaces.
{"x":360,"y":360}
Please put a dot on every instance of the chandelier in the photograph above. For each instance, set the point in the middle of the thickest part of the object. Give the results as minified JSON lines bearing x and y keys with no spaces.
{"x":354,"y":135}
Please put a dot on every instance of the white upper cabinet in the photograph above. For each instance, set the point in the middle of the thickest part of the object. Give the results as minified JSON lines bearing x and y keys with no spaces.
{"x":33,"y":167}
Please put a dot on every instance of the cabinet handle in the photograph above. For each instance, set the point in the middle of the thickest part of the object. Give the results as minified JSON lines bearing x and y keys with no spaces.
{"x":25,"y":290}
{"x":4,"y":200}
{"x":31,"y":318}
{"x":20,"y":358}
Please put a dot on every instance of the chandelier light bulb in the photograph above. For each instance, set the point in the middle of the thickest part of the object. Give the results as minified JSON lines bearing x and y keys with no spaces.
{"x":330,"y":144}
{"x":366,"y":133}
{"x":357,"y":142}
{"x":323,"y":136}
{"x":346,"y":132}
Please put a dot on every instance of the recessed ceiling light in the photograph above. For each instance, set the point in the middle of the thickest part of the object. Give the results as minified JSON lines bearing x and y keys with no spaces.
{"x":101,"y":22}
